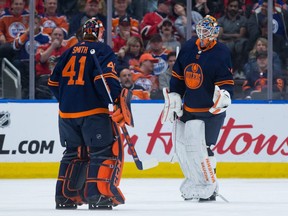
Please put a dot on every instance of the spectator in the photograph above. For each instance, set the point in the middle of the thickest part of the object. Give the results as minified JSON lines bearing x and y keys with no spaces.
{"x":201,"y":7}
{"x":233,"y":34}
{"x":124,"y":34}
{"x":46,"y":58}
{"x":22,"y":45}
{"x":91,"y":10}
{"x":216,"y":8}
{"x":130,"y":54}
{"x":120,"y":10}
{"x":50,"y":18}
{"x":139,"y":8}
{"x":256,"y":78}
{"x":156,"y":49}
{"x":152,"y":21}
{"x":261,"y":45}
{"x":280,"y":22}
{"x":280,"y":47}
{"x":138,"y":92}
{"x":39,"y":7}
{"x":13,"y":21}
{"x":164,"y":78}
{"x":246,"y":6}
{"x":68,"y":8}
{"x":144,"y":77}
{"x":169,"y":39}
{"x":181,"y":20}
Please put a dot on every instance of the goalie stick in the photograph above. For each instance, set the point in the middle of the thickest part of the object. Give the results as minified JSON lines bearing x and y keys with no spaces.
{"x":141,"y":165}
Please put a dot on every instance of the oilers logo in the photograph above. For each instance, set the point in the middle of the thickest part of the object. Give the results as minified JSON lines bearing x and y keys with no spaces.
{"x":145,"y":83}
{"x":49,"y":24}
{"x":15,"y":28}
{"x":160,"y":67}
{"x":27,"y":46}
{"x":193,"y":76}
{"x":4,"y":119}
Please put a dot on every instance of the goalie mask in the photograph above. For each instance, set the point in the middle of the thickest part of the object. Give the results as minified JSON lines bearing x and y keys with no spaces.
{"x":93,"y":27}
{"x":207,"y":28}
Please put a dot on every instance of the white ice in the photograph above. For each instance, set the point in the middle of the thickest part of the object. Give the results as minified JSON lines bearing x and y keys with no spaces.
{"x":247,"y":197}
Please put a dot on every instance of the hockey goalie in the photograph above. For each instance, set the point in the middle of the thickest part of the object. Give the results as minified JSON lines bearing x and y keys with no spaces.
{"x":202,"y":79}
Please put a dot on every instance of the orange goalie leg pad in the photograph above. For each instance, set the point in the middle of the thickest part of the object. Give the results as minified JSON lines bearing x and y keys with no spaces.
{"x":105,"y":172}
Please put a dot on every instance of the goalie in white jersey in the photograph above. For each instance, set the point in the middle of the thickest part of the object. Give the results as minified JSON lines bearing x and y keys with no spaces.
{"x":202,"y":78}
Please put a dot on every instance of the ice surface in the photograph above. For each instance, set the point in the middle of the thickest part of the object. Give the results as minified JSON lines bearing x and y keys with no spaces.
{"x":248,"y":197}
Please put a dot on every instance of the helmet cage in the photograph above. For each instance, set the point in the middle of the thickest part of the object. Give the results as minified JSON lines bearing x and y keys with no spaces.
{"x":207,"y":28}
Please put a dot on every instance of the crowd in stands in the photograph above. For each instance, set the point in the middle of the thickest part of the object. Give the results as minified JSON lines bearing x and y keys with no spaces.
{"x":146,"y":36}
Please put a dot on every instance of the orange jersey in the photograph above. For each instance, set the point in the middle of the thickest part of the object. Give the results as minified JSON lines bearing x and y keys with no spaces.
{"x":134,"y":25}
{"x":70,"y":42}
{"x":149,"y":82}
{"x":139,"y":94}
{"x":11,"y":26}
{"x":50,"y":22}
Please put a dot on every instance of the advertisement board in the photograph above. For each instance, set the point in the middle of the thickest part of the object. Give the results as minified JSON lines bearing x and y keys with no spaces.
{"x":252,"y":133}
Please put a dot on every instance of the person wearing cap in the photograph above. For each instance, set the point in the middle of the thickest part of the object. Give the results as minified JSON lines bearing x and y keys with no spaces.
{"x":138,"y":92}
{"x":157,"y":50}
{"x":152,"y":21}
{"x":256,"y":77}
{"x":91,"y":9}
{"x":143,"y":76}
{"x":124,"y":34}
{"x":168,"y":35}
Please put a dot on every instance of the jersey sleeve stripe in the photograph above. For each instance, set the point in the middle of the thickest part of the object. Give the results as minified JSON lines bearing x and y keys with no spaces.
{"x":52,"y":83}
{"x":225,"y":82}
{"x":174,"y":74}
{"x":108,"y":75}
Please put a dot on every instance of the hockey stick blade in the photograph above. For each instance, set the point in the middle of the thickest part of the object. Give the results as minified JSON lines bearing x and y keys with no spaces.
{"x":148,"y":164}
{"x":141,"y":165}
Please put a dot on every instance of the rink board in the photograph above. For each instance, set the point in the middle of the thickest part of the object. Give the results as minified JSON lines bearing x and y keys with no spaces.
{"x":253,"y":142}
{"x":164,"y":170}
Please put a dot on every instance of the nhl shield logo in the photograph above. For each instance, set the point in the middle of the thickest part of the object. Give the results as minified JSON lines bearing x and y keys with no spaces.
{"x":4,"y":119}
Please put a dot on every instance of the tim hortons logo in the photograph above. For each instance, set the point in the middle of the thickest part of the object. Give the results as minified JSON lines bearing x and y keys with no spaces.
{"x":241,"y":143}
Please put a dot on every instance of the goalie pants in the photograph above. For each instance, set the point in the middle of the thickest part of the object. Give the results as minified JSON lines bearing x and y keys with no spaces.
{"x":91,"y":166}
{"x":213,"y":124}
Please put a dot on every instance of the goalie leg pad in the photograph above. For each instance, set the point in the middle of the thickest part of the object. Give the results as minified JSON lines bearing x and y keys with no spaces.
{"x":200,"y":180}
{"x":104,"y":175}
{"x":71,"y":178}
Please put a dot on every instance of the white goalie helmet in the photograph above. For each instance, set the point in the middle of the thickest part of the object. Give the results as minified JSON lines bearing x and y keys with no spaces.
{"x":207,"y":28}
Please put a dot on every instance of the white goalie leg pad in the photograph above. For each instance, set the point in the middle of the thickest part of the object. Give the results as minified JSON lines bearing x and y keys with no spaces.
{"x":191,"y":150}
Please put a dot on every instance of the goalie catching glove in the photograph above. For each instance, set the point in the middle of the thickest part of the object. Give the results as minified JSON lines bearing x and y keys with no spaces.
{"x":122,"y":110}
{"x":173,"y":105}
{"x":221,"y":99}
